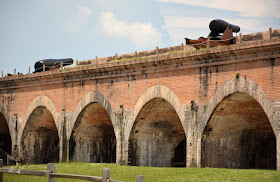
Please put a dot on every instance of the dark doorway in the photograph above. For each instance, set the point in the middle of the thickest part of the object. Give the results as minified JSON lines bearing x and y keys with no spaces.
{"x":239,"y":135}
{"x":156,"y":132}
{"x":40,"y":141}
{"x":93,"y":137}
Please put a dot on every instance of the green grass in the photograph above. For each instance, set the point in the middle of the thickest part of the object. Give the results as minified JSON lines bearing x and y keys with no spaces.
{"x":176,"y":52}
{"x":152,"y":174}
{"x":125,"y":59}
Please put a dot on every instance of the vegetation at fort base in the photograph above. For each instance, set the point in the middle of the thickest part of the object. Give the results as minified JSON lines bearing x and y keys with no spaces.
{"x":152,"y":174}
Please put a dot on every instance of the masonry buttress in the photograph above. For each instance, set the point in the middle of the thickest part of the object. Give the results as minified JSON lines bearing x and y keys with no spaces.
{"x":122,"y":118}
{"x":14,"y":123}
{"x":64,"y":119}
{"x":192,"y":140}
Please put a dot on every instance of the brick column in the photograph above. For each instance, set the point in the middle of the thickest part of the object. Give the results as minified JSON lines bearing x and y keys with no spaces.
{"x":278,"y":152}
{"x":276,"y":119}
{"x":63,"y":119}
{"x":192,"y":138}
{"x":14,"y":124}
{"x":122,"y":118}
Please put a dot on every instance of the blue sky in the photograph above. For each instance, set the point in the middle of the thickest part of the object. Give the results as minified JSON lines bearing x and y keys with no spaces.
{"x":32,"y":30}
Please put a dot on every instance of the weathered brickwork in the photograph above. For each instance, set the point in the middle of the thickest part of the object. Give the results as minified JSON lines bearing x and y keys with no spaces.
{"x":165,"y":109}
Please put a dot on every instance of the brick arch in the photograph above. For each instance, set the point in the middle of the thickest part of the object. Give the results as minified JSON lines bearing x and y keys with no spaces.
{"x":158,"y":91}
{"x":41,"y":100}
{"x":6,"y":115}
{"x":92,"y":96}
{"x":240,"y":85}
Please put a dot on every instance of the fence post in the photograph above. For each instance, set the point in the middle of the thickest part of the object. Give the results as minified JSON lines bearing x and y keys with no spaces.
{"x":96,"y":60}
{"x":1,"y":174}
{"x":51,"y":169}
{"x":140,"y":178}
{"x":2,"y":74}
{"x":270,"y":33}
{"x":44,"y":67}
{"x":240,"y":38}
{"x":29,"y":70}
{"x":157,"y":51}
{"x":105,"y":174}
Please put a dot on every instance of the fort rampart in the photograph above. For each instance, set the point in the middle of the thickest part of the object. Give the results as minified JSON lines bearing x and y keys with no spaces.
{"x":215,"y":107}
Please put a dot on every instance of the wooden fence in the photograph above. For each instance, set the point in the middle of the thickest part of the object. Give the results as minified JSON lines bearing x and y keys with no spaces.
{"x":52,"y":175}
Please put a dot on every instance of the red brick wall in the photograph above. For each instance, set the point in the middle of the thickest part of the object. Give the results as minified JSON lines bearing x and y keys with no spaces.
{"x":188,"y":79}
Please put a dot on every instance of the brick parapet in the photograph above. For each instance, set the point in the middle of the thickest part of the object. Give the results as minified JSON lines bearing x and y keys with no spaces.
{"x":198,"y":58}
{"x":259,"y":35}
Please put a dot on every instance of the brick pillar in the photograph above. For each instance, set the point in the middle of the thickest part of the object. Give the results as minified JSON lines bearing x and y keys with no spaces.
{"x":122,"y":118}
{"x":60,"y":119}
{"x":193,"y":141}
{"x":63,"y":119}
{"x":118,"y":119}
{"x":14,"y":124}
{"x":276,"y":119}
{"x":278,"y":152}
{"x":276,"y":123}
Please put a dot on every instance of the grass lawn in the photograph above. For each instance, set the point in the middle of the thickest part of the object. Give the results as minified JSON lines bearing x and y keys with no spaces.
{"x":152,"y":174}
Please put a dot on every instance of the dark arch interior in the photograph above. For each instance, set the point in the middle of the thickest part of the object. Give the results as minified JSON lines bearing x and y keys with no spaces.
{"x":5,"y":139}
{"x":93,"y":138}
{"x":239,"y":135}
{"x":40,"y":141}
{"x":179,"y":158}
{"x":156,"y":133}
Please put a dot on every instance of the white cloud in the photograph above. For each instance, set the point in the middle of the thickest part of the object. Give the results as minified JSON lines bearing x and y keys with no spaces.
{"x":185,"y":22}
{"x":76,"y":22}
{"x":247,"y":8}
{"x":190,"y":22}
{"x":140,"y":34}
{"x":83,"y":12}
{"x":181,"y":27}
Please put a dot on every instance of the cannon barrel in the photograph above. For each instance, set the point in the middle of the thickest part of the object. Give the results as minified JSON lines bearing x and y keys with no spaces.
{"x":219,"y":26}
{"x":50,"y":63}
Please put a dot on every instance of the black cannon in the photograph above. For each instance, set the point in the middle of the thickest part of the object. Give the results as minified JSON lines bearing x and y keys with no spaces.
{"x":220,"y":26}
{"x":221,"y":34}
{"x":51,"y":64}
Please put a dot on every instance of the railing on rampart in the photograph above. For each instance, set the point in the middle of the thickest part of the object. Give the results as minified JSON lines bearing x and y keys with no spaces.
{"x":51,"y":175}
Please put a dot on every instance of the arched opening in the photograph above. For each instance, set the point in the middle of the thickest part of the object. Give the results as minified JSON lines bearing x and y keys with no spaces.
{"x":40,"y":141}
{"x":179,"y":158}
{"x":5,"y":139}
{"x":239,"y":135}
{"x":156,"y":133}
{"x":93,"y":138}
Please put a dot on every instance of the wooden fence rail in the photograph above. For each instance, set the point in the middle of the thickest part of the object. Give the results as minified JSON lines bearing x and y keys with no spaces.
{"x":52,"y":175}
